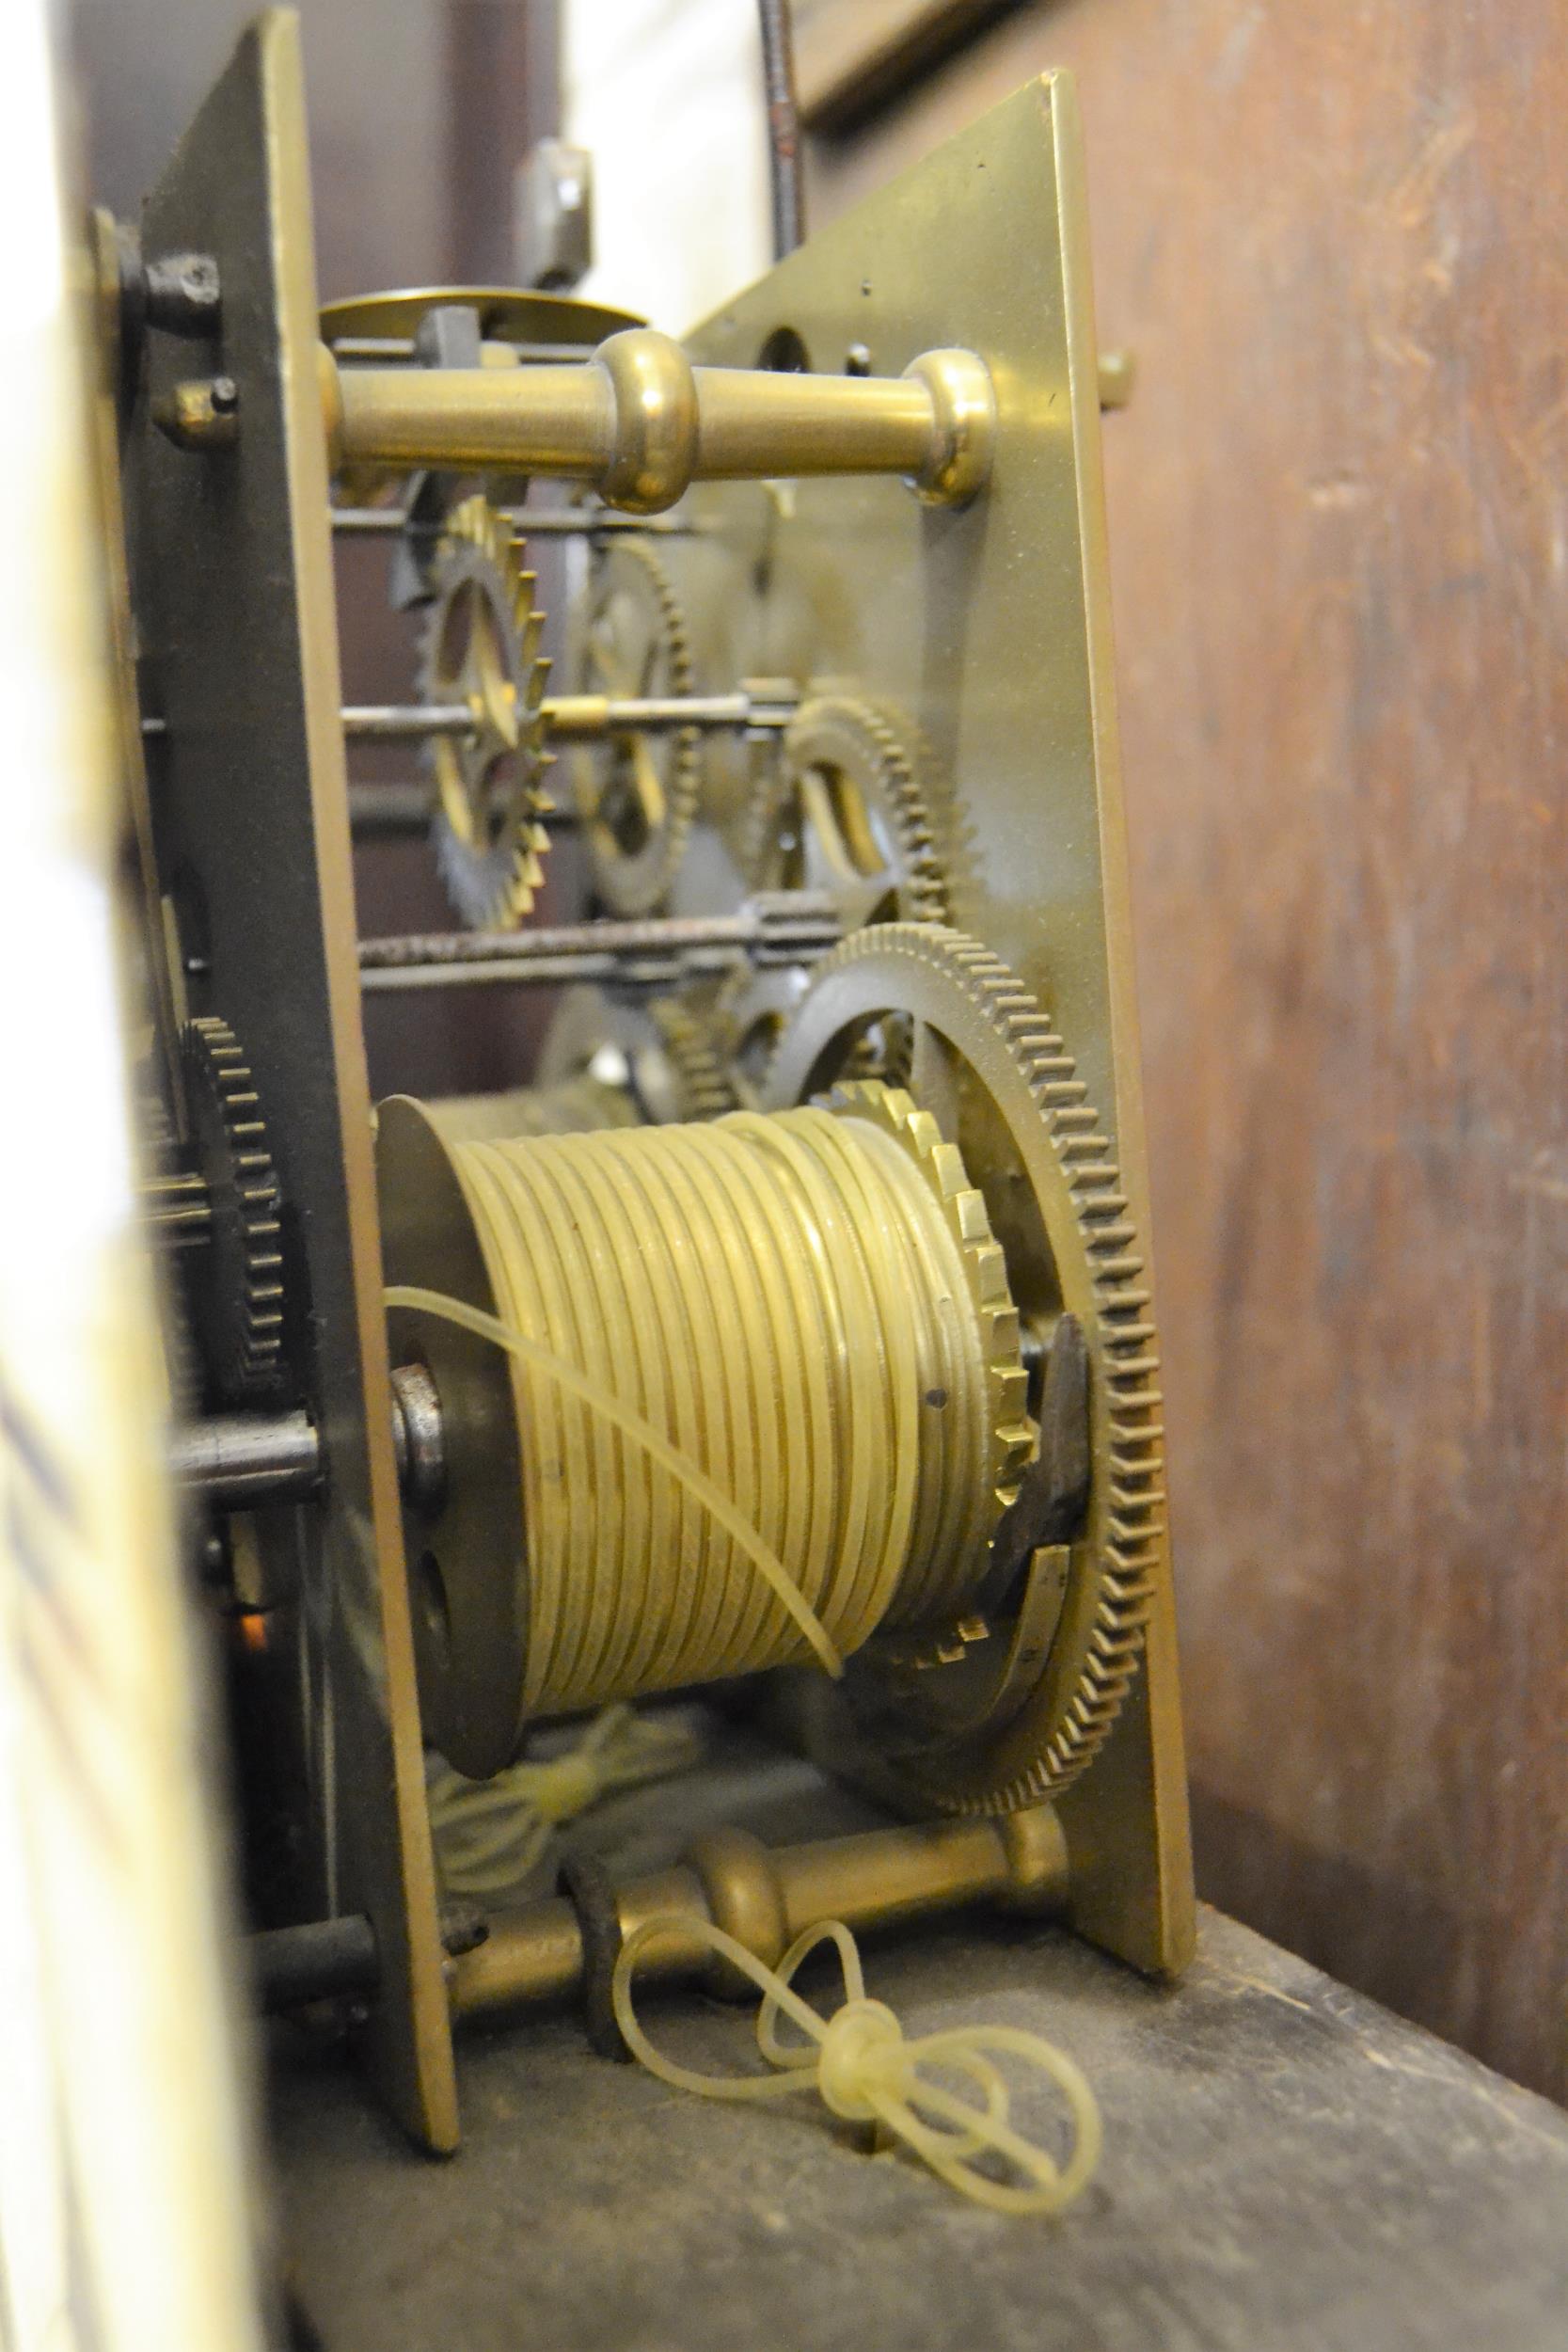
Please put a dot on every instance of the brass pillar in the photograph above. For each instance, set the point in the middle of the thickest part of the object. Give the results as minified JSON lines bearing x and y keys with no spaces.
{"x":641,"y":423}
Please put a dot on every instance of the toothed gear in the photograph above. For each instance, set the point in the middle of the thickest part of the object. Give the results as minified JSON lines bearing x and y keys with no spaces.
{"x":661,"y":1049}
{"x":235,"y":1281}
{"x":885,"y":1052}
{"x":481,"y":647}
{"x":1008,"y":1433}
{"x":843,"y":810}
{"x":963,"y":993}
{"x":638,"y":795}
{"x":751,"y":1012}
{"x":702,"y":1085}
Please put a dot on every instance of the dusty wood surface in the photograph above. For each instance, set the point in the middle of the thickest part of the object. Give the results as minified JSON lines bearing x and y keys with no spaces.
{"x":1284,"y":2165}
{"x":1337,"y":239}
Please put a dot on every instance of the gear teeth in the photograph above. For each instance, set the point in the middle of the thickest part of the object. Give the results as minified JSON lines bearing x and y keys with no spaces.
{"x":747,"y":1006}
{"x":704,"y":1087}
{"x":640,"y":885}
{"x":874,"y":755}
{"x":241,"y":1298}
{"x":492,"y":884}
{"x":898,"y":1115}
{"x":1134,"y":1522}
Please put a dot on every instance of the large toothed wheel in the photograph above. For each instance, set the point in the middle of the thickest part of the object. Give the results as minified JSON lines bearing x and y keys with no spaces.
{"x":1004,"y":1089}
{"x":843,"y":809}
{"x":235,"y":1281}
{"x":665,"y":1055}
{"x":482,"y":649}
{"x":638,"y":793}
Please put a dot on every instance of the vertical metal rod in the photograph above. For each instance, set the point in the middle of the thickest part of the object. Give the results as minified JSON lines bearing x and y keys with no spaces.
{"x":787,"y":186}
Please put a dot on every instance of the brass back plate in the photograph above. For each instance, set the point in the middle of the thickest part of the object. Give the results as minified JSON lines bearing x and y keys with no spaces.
{"x":989,"y":629}
{"x":236,"y":607}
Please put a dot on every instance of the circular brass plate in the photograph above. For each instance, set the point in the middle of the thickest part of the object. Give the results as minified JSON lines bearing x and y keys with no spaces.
{"x":467,"y":1565}
{"x":507,"y":314}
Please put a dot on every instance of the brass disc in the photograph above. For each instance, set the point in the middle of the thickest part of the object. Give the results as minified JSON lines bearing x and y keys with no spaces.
{"x":507,"y":314}
{"x":467,"y":1556}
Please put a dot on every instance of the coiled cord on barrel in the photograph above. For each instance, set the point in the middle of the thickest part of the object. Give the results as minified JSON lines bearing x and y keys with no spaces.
{"x":781,"y":1299}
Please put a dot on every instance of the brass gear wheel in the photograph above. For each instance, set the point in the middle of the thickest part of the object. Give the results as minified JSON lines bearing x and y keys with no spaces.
{"x":638,"y":796}
{"x":665,"y":1053}
{"x":481,"y":647}
{"x":690,"y":1039}
{"x":234,"y":1283}
{"x":1007,"y":1437}
{"x":1011,"y":1079}
{"x":842,"y":810}
{"x":751,"y":1011}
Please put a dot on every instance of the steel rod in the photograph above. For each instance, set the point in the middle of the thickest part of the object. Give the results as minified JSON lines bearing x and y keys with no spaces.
{"x":377,"y":348}
{"x":321,"y":1960}
{"x":787,"y":185}
{"x":786,"y":928}
{"x":324,"y":1960}
{"x":177,"y":1208}
{"x":387,"y":522}
{"x":651,"y":935}
{"x":570,"y":970}
{"x":405,"y":722}
{"x":396,"y":811}
{"x":377,"y":811}
{"x":238,"y":1461}
{"x":581,"y":717}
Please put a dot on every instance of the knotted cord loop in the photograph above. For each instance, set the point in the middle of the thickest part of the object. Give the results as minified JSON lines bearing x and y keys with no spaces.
{"x":490,"y":1835}
{"x":864,"y":2069}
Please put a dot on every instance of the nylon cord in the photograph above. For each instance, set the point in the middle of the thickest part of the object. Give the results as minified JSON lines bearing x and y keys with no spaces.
{"x":751,"y":1388}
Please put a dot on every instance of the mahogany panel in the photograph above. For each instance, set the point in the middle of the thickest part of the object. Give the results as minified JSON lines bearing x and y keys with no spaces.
{"x":1336,"y":237}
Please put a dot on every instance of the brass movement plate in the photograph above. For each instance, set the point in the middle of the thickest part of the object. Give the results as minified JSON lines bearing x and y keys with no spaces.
{"x":988,"y":630}
{"x":237,"y":613}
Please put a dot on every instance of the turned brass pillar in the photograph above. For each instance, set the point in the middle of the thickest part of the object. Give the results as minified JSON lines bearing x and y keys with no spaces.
{"x":641,"y":423}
